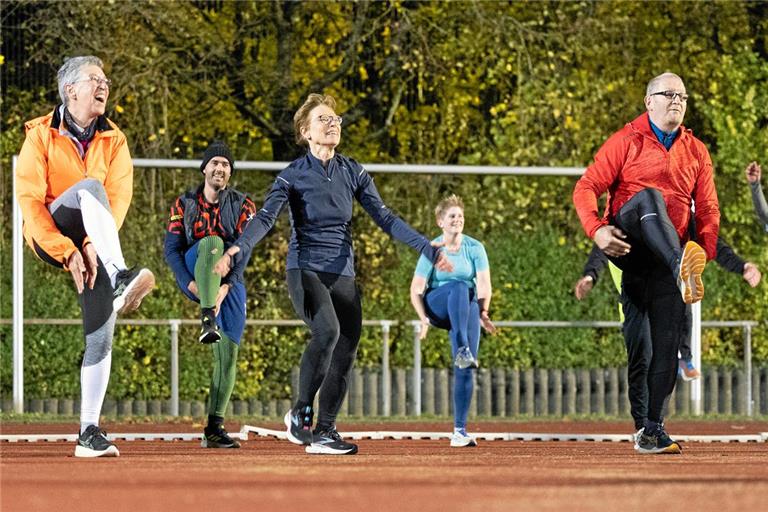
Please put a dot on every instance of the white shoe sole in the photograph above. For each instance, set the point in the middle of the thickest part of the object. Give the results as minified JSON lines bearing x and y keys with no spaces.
{"x":137,"y":290}
{"x":674,"y":448}
{"x":87,"y":453}
{"x":463,"y":443}
{"x":319,"y":449}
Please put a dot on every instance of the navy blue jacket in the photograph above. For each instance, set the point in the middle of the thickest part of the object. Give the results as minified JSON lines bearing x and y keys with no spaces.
{"x":320,"y":203}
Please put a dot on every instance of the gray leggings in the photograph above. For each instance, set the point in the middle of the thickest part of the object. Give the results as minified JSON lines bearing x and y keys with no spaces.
{"x":96,"y":304}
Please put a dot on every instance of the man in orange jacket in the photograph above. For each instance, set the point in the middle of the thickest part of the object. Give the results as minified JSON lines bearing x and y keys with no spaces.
{"x":74,"y":184}
{"x":652,"y":169}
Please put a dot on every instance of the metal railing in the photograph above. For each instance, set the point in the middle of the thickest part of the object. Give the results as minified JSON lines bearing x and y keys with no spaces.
{"x":385,"y":326}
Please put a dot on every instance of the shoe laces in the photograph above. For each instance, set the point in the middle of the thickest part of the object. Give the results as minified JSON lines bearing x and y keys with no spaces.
{"x":218,"y":431}
{"x":331,"y":433}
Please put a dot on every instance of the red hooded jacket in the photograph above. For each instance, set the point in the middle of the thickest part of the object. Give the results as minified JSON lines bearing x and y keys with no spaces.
{"x":633,"y":159}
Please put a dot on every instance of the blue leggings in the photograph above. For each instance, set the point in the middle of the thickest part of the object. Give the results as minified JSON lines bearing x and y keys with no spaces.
{"x":454,"y":307}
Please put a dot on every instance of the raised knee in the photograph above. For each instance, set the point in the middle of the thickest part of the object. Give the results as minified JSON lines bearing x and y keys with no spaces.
{"x":211,"y":242}
{"x":95,"y":188}
{"x":653,"y":195}
{"x":458,"y":286}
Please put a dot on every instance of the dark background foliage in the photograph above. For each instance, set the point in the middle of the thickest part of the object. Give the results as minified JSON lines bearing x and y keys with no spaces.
{"x":492,"y":83}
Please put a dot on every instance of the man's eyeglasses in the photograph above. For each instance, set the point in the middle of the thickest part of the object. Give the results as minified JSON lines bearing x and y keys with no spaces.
{"x":327,"y":120}
{"x":99,"y":81}
{"x":670,"y":95}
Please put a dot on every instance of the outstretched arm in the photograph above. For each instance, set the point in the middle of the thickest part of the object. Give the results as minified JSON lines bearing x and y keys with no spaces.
{"x":258,"y":227}
{"x":393,"y":225}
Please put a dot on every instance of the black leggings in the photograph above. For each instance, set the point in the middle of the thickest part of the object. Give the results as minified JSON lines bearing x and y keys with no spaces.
{"x":649,"y":231}
{"x":330,"y":306}
{"x":656,"y":319}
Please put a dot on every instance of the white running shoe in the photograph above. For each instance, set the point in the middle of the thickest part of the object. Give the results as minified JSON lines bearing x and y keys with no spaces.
{"x":460,"y":439}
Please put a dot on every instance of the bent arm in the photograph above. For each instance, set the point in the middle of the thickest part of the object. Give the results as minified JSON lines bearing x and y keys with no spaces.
{"x":418,"y":287}
{"x":597,"y":179}
{"x":727,"y":257}
{"x":119,"y":181}
{"x":31,"y":187}
{"x":761,"y":206}
{"x":596,"y":263}
{"x":484,"y":291}
{"x":707,"y":207}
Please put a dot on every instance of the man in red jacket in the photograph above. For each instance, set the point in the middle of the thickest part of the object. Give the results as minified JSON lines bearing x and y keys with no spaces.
{"x":652,"y":169}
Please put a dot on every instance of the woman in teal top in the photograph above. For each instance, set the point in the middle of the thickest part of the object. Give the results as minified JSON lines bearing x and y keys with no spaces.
{"x":457,"y":301}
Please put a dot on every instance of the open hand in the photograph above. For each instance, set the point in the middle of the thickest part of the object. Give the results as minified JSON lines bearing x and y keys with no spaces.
{"x":192,"y":287}
{"x":223,"y":266}
{"x":485,"y":322}
{"x":610,"y":240}
{"x":583,"y":287}
{"x":221,"y":295}
{"x":423,"y":328}
{"x":91,"y":265}
{"x":752,"y":274}
{"x":78,"y":270}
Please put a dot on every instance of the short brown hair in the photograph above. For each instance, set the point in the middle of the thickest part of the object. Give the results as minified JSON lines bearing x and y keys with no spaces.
{"x":301,"y":117}
{"x":446,"y":204}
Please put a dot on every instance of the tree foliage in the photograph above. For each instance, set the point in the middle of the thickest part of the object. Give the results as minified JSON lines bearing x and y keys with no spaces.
{"x":466,"y":82}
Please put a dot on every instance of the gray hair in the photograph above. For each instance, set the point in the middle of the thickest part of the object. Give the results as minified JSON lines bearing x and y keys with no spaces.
{"x":655,"y":81}
{"x":69,"y":72}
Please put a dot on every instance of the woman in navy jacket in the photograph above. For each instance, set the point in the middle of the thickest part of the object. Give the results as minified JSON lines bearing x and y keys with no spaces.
{"x":320,"y":189}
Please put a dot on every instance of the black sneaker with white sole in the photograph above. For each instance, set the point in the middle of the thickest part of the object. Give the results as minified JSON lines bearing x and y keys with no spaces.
{"x":329,"y":442}
{"x":218,"y":438}
{"x":299,"y":425}
{"x":209,"y":331}
{"x":131,"y":285}
{"x":94,"y":443}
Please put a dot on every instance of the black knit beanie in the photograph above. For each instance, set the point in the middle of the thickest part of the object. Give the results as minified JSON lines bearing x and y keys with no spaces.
{"x":217,"y":148}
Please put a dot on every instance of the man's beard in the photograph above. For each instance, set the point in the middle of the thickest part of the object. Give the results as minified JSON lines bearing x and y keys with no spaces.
{"x":216,"y":187}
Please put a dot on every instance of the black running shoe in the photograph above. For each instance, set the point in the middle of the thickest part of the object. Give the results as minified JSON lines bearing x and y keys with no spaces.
{"x":209,"y":332}
{"x":94,"y":443}
{"x":329,"y":442}
{"x":131,"y":285}
{"x":654,"y":439}
{"x":218,"y":438}
{"x":299,"y":425}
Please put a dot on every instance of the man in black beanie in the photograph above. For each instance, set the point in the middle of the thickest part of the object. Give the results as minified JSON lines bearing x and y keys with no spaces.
{"x":203,"y":223}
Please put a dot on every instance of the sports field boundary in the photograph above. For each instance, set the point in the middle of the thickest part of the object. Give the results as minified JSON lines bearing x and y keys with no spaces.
{"x":394,"y":435}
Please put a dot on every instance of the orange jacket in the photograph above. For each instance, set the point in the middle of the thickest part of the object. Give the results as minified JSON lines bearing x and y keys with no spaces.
{"x":49,"y":163}
{"x":633,"y":159}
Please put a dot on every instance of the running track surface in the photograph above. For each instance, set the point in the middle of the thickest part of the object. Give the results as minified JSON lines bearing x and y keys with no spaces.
{"x":389,"y":475}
